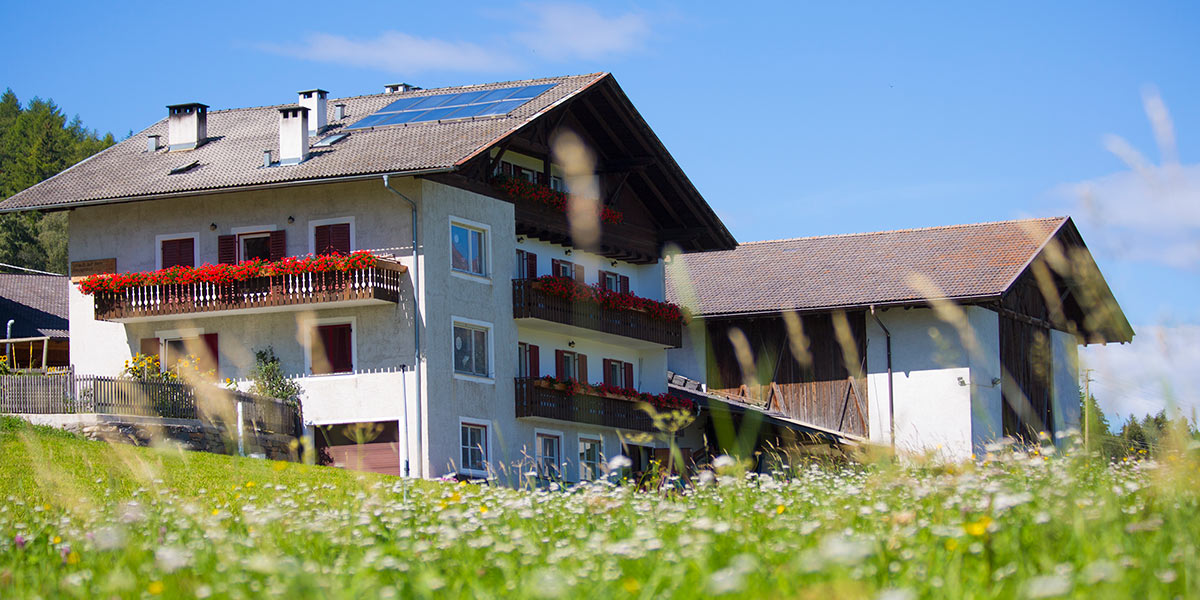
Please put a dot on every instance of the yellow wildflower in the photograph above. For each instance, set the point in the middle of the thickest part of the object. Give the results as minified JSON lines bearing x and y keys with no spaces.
{"x":779,"y":509}
{"x":57,"y":540}
{"x":951,"y":544}
{"x":978,"y":528}
{"x":631,"y":585}
{"x":73,"y":558}
{"x":483,"y":509}
{"x":155,"y":587}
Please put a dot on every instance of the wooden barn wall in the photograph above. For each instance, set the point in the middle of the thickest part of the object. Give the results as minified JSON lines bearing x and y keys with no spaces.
{"x":1026,"y":358}
{"x":820,"y":393}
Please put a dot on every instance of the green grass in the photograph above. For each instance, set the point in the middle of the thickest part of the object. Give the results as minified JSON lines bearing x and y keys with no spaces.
{"x":101,"y":521}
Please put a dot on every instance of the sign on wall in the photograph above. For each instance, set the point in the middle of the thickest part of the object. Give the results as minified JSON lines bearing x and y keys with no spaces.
{"x":83,"y":268}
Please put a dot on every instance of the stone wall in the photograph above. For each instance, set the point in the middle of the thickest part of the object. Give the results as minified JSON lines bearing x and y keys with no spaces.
{"x":190,"y":434}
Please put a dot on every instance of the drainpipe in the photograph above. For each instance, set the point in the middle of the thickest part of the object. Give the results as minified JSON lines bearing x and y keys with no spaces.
{"x":891,"y":401}
{"x":416,"y":327}
{"x":8,"y":346}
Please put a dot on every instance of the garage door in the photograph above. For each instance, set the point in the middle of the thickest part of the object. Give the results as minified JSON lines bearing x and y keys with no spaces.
{"x":371,"y":446}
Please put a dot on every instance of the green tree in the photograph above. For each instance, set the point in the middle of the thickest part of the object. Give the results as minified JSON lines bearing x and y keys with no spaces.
{"x":37,"y":142}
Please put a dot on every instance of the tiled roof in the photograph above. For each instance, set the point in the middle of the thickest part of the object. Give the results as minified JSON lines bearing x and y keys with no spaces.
{"x":857,"y":270}
{"x":37,"y":304}
{"x":233,"y":155}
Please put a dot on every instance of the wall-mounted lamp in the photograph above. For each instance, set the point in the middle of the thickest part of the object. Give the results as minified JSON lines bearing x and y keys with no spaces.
{"x":291,"y":220}
{"x":962,"y":382}
{"x":995,"y":381}
{"x":571,"y":344}
{"x":212,"y":226}
{"x":613,"y":263}
{"x":568,"y":252}
{"x":520,"y":239}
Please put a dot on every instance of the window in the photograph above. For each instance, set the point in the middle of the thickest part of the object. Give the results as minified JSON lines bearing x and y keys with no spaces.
{"x":176,"y":250}
{"x":618,"y":373}
{"x":549,"y":454}
{"x":474,"y":447}
{"x":527,"y":360}
{"x":468,"y":250}
{"x":253,"y":246}
{"x":471,"y":350}
{"x":566,"y":268}
{"x":331,"y":348}
{"x":331,"y":236}
{"x":526,"y":265}
{"x":183,"y":344}
{"x":570,"y":365}
{"x":557,"y":184}
{"x":591,"y":452}
{"x":614,"y":282}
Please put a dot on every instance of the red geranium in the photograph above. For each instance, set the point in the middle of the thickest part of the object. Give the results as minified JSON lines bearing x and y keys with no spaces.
{"x":517,"y":188}
{"x":661,"y":402}
{"x":227,"y":273}
{"x":570,"y":289}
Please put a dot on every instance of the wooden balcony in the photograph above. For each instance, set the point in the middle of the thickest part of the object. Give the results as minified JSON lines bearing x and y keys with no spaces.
{"x":531,"y":302}
{"x":379,"y":284}
{"x":536,"y":398}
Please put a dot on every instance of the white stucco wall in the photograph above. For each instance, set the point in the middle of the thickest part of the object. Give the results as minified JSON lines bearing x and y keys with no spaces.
{"x":944,"y":398}
{"x":1065,"y":392}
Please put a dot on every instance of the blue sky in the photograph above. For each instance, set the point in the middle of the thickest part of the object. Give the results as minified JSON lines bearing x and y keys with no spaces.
{"x":792,"y":119}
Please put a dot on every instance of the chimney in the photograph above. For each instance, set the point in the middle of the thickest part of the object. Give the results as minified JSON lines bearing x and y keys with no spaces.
{"x":315,"y":102}
{"x":152,"y":143}
{"x":187,"y":126}
{"x":397,"y":88}
{"x":293,"y":135}
{"x":339,"y":111}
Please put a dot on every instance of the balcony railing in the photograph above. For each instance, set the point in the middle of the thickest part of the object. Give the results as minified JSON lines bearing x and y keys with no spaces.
{"x":531,"y":301}
{"x":380,"y":283}
{"x":535,"y":398}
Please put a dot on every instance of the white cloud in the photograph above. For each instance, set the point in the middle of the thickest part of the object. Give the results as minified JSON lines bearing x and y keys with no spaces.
{"x":398,"y":53}
{"x":1150,"y":374}
{"x":566,"y":31}
{"x":1149,"y":214}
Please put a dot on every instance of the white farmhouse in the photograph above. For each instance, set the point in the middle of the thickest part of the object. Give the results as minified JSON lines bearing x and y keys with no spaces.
{"x":433,"y":348}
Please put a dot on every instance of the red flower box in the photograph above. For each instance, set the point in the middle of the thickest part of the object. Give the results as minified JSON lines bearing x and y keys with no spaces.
{"x":224,"y":273}
{"x":570,"y":289}
{"x":517,"y":188}
{"x":661,"y":402}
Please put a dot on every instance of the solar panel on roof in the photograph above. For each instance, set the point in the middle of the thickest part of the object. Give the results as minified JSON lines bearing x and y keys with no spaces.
{"x":330,"y":140}
{"x":459,"y":105}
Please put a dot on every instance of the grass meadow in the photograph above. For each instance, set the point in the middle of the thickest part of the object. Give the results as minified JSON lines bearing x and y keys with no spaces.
{"x":85,"y":519}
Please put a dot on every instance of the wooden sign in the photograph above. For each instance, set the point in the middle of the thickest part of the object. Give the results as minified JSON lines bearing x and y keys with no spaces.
{"x":83,"y":268}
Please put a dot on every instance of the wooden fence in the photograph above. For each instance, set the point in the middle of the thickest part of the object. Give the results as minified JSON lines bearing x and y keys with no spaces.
{"x":68,"y":393}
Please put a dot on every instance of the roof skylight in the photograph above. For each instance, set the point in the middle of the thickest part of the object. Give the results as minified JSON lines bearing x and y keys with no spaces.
{"x":461,"y":105}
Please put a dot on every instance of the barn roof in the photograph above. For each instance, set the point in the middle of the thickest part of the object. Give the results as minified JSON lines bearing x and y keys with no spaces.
{"x":37,"y":305}
{"x":961,"y":263}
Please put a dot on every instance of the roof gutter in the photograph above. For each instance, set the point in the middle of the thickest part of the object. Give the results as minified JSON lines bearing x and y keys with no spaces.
{"x":822,"y":309}
{"x":417,"y":367}
{"x":225,"y":190}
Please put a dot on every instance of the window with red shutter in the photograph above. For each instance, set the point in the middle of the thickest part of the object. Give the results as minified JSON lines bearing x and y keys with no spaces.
{"x":278,"y":242}
{"x":581,"y":367}
{"x":332,"y":239}
{"x":210,"y":359}
{"x":629,"y":376}
{"x":624,"y":284}
{"x":332,"y":351}
{"x":227,"y":249}
{"x":607,"y":365}
{"x":178,"y":252}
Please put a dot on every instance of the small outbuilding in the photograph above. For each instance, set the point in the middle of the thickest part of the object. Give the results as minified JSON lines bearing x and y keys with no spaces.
{"x":939,"y":339}
{"x":33,"y":315}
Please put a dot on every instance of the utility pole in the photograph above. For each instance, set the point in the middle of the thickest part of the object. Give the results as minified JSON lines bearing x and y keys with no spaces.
{"x":1087,"y":407}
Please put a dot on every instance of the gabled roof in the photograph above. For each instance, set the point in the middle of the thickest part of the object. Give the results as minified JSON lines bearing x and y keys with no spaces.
{"x":37,"y":304}
{"x":962,"y":263}
{"x":232,"y":156}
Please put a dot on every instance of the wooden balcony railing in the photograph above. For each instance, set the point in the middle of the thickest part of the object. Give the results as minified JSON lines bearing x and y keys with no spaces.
{"x":380,"y":282}
{"x":535,"y":398}
{"x":531,"y":301}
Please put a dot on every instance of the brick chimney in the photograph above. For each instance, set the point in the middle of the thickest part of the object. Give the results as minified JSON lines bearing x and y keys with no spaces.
{"x":187,"y":126}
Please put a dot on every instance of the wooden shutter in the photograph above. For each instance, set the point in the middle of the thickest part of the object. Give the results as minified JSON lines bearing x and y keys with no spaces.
{"x":629,"y":376}
{"x":532,"y":359}
{"x":149,"y":346}
{"x":581,"y":360}
{"x":211,"y":360}
{"x":339,"y":238}
{"x":607,"y":363}
{"x":227,"y":249}
{"x":602,"y":278}
{"x":555,"y":267}
{"x":624,"y":284}
{"x":506,"y":169}
{"x":579,"y":273}
{"x":278,"y":245}
{"x":530,"y":265}
{"x":560,"y":364}
{"x":178,"y":252}
{"x":321,"y":239}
